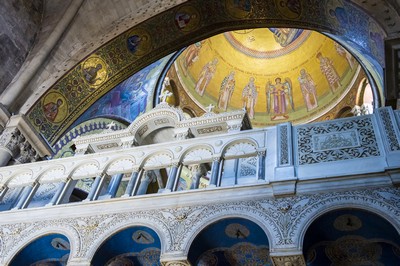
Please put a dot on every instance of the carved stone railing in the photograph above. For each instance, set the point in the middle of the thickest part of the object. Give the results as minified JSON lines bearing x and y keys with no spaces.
{"x":359,"y":152}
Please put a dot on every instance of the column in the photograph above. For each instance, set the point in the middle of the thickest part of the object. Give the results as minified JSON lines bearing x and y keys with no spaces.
{"x":197,"y":175}
{"x":159,"y":179}
{"x":261,"y":164}
{"x":114,"y":185}
{"x":99,"y":186}
{"x":215,"y":169}
{"x":133,"y":183}
{"x":95,"y":189}
{"x":172,"y":177}
{"x":220,"y":170}
{"x":26,"y":196}
{"x":55,"y":199}
{"x":144,"y":183}
{"x":3,"y":192}
{"x":9,"y":141}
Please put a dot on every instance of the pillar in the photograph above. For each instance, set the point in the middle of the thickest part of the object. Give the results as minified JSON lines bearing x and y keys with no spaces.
{"x":197,"y":175}
{"x":55,"y":199}
{"x":215,"y":170}
{"x":3,"y":192}
{"x":96,"y":188}
{"x":133,"y":183}
{"x":173,"y":177}
{"x":26,"y":196}
{"x":114,"y":185}
{"x":144,"y":183}
{"x":261,"y":165}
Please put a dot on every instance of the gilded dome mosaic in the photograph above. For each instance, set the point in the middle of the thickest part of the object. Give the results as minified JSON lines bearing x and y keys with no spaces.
{"x":276,"y":74}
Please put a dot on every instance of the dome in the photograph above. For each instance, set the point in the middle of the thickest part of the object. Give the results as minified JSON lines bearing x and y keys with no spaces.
{"x":277,"y":74}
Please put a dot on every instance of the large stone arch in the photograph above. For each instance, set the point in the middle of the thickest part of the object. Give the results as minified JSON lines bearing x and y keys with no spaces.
{"x":216,"y":213}
{"x":125,"y":221}
{"x":374,"y":201}
{"x":225,"y":17}
{"x":29,"y":233}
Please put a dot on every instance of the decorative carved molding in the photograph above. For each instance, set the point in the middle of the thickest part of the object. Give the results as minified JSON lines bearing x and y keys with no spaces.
{"x":363,"y":125}
{"x":285,"y":221}
{"x":392,"y":138}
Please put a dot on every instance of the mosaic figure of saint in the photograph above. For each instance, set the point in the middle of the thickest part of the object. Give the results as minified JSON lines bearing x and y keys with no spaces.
{"x":327,"y":68}
{"x":90,"y":73}
{"x":343,"y":52}
{"x":226,"y":91}
{"x":206,"y":74}
{"x":308,"y":89}
{"x":249,"y":97}
{"x":191,"y":56}
{"x":279,"y":96}
{"x":51,"y":109}
{"x":133,"y":42}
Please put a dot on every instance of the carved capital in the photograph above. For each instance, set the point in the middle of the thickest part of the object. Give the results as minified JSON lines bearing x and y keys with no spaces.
{"x":261,"y":153}
{"x":176,"y":263}
{"x":294,"y":260}
{"x":10,"y":140}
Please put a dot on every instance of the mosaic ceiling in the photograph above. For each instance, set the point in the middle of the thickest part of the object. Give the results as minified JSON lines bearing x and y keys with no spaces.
{"x":277,"y":74}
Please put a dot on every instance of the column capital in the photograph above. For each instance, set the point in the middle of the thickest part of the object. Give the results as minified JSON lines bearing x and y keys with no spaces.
{"x":262,"y":152}
{"x":20,"y":139}
{"x":288,"y":260}
{"x":176,"y":263}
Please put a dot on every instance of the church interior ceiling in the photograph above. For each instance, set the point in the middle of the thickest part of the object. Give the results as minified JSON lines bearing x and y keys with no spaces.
{"x":190,"y":23}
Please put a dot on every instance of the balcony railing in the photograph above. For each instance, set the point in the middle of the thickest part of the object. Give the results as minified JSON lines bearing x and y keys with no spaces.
{"x":285,"y":158}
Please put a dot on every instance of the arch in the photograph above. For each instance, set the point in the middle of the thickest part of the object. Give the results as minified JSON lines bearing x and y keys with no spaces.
{"x":68,"y":231}
{"x":197,"y":153}
{"x":88,"y":168}
{"x":239,"y":147}
{"x":230,"y":19}
{"x":147,"y":221}
{"x":124,"y":164}
{"x":208,"y":219}
{"x":20,"y":179}
{"x":323,"y":209}
{"x":156,"y":160}
{"x":52,"y":174}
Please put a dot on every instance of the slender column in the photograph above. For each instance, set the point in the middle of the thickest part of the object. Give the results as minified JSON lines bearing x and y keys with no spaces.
{"x":3,"y":192}
{"x":236,"y":171}
{"x":133,"y":183}
{"x":215,"y":171}
{"x":177,"y":176}
{"x":197,"y":175}
{"x":261,"y":165}
{"x":26,"y":196}
{"x":144,"y":183}
{"x":115,"y":182}
{"x":160,"y":182}
{"x":220,"y":170}
{"x":67,"y":190}
{"x":100,"y":185}
{"x":58,"y":193}
{"x":93,"y":189}
{"x":172,"y":177}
